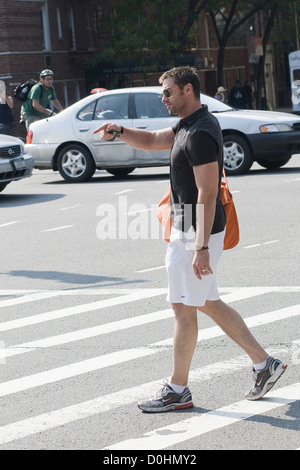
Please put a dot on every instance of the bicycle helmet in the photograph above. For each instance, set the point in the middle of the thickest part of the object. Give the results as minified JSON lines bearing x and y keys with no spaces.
{"x":46,"y":72}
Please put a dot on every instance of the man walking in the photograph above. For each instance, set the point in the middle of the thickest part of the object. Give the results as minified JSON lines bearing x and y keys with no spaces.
{"x":196,"y":242}
{"x":39,"y":97}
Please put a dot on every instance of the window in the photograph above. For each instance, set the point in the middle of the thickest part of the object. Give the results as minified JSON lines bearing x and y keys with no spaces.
{"x":72,"y":28}
{"x":149,"y":105}
{"x":45,"y":27}
{"x":59,"y":28}
{"x":87,"y":113}
{"x":112,"y":107}
{"x":106,"y":108}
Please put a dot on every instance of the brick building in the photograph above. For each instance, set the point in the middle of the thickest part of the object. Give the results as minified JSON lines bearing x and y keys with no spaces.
{"x":60,"y":34}
{"x":40,"y":34}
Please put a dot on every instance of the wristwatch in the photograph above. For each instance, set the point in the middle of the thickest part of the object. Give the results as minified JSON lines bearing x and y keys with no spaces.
{"x":116,"y":133}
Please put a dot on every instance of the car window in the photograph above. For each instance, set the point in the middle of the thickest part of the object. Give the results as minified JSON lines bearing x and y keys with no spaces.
{"x":149,"y":105}
{"x":87,"y":113}
{"x":112,"y":107}
{"x":214,"y":106}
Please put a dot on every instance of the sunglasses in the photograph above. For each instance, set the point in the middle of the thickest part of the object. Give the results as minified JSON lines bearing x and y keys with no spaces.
{"x":166,"y":93}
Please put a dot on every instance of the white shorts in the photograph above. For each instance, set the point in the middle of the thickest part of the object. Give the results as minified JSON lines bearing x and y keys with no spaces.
{"x":183,"y":285}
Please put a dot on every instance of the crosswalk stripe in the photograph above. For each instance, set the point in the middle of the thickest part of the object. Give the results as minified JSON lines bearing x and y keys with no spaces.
{"x":181,"y":431}
{"x":56,"y":418}
{"x":75,"y":310}
{"x":100,"y":362}
{"x":71,"y":413}
{"x":132,"y":322}
{"x":86,"y":333}
{"x":24,"y":296}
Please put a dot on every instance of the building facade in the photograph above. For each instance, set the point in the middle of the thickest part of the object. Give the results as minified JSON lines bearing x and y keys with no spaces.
{"x":65,"y":35}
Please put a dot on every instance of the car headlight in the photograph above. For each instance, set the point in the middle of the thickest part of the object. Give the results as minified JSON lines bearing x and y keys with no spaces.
{"x":275,"y":128}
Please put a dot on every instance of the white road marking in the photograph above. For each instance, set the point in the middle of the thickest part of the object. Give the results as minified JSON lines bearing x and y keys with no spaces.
{"x":9,"y":223}
{"x":139,"y":211}
{"x":252,"y":246}
{"x":66,"y":312}
{"x":78,"y":411}
{"x":181,"y":431}
{"x":260,"y":244}
{"x":122,"y":192}
{"x":70,"y":207}
{"x":206,"y":333}
{"x":57,"y":228}
{"x":271,"y":241}
{"x":71,"y":413}
{"x":100,"y":362}
{"x":150,"y":269}
{"x":86,"y":291}
{"x":30,"y":297}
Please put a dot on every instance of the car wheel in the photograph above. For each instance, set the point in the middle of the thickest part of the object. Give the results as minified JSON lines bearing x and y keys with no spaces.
{"x":120,"y":171}
{"x":75,"y":163}
{"x":237,"y":155}
{"x":272,"y":165}
{"x":2,"y":186}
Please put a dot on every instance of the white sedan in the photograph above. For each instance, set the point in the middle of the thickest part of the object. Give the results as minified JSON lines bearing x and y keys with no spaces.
{"x":66,"y":142}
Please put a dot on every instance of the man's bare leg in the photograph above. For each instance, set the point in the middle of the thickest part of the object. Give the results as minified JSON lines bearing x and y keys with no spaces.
{"x":185,"y":340}
{"x":234,"y":326}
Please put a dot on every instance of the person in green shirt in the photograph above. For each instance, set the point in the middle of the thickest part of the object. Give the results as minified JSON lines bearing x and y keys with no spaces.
{"x":39,"y":97}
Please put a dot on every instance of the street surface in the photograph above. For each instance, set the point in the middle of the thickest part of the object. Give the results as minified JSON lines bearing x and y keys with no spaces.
{"x":86,"y":332}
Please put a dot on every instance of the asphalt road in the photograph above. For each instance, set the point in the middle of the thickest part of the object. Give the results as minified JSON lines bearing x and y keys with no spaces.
{"x":86,"y":331}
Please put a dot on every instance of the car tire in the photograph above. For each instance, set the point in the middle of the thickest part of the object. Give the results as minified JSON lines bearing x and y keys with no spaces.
{"x":75,"y":163}
{"x":273,"y":165}
{"x":237,"y":155}
{"x":2,"y":186}
{"x":120,"y":171}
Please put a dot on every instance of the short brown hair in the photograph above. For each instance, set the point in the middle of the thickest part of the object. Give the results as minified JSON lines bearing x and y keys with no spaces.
{"x":182,"y":76}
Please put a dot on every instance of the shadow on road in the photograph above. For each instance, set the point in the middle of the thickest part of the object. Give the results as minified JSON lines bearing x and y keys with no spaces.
{"x":72,"y":278}
{"x":14,"y":200}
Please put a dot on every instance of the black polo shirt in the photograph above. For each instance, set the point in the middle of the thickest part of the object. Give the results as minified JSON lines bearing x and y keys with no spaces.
{"x":198,"y":140}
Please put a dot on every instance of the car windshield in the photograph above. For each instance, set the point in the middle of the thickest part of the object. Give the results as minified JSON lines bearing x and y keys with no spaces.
{"x":214,"y":106}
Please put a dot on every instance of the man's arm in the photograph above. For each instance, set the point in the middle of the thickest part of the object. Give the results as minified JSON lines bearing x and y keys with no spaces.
{"x":9,"y":101}
{"x":57,"y":104}
{"x":206,"y":178}
{"x":140,"y":139}
{"x":36,"y":105}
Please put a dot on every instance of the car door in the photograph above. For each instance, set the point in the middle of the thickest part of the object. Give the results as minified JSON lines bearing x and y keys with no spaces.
{"x":151,"y":114}
{"x":106,"y":108}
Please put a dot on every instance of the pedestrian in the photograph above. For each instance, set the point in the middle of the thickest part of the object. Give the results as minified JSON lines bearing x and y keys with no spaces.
{"x":197,"y":235}
{"x":36,"y":106}
{"x":6,"y":105}
{"x":236,"y":96}
{"x":220,"y":95}
{"x":263,"y":99}
{"x":247,"y":92}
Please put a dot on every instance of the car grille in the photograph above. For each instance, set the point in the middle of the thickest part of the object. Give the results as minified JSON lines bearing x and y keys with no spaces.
{"x":10,"y":152}
{"x":11,"y":175}
{"x":296,"y":126}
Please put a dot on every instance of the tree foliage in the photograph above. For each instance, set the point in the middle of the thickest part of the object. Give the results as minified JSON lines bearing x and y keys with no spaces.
{"x":159,"y":32}
{"x":158,"y":29}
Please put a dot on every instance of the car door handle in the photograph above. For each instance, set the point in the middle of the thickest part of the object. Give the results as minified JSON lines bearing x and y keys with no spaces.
{"x":84,"y":129}
{"x":141,"y":127}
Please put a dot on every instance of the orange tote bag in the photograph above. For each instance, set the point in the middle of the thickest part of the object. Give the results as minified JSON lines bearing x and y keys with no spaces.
{"x":232,"y":234}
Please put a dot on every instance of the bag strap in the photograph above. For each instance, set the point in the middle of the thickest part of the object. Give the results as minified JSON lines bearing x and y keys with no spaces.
{"x":225,"y":178}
